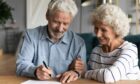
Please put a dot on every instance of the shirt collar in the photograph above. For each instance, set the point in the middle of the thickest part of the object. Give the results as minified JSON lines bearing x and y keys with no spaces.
{"x":65,"y":39}
{"x":44,"y":33}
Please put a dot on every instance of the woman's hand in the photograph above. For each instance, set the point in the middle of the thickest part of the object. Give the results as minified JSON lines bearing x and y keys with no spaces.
{"x":77,"y":65}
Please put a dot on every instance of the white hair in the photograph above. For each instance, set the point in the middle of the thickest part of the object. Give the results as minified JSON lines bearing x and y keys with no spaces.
{"x":63,"y":5}
{"x":113,"y":16}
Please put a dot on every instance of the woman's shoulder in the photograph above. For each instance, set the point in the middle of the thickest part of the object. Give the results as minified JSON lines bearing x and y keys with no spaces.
{"x":127,"y":45}
{"x":96,"y":48}
{"x":129,"y":48}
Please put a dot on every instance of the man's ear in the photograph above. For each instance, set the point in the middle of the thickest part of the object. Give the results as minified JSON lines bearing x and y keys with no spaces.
{"x":47,"y":15}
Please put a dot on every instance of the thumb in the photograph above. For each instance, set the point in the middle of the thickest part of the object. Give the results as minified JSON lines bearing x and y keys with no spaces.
{"x":58,"y":76}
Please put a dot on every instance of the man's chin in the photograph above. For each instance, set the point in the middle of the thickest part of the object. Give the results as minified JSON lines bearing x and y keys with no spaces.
{"x":59,"y":36}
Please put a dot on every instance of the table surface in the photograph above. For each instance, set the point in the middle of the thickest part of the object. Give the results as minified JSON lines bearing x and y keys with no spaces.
{"x":8,"y":74}
{"x":13,"y":79}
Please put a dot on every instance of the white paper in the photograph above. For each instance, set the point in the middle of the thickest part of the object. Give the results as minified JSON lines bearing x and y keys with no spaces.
{"x":40,"y":82}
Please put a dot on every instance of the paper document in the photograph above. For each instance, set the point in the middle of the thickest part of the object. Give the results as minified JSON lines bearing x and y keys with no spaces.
{"x":40,"y":82}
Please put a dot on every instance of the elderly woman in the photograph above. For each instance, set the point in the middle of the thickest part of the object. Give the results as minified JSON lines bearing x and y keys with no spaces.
{"x":114,"y":58}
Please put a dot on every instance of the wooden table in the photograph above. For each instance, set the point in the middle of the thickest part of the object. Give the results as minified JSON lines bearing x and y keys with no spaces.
{"x":7,"y":64}
{"x":8,"y":74}
{"x":13,"y":79}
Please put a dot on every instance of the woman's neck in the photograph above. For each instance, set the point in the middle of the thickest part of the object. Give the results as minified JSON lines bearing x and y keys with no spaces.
{"x":113,"y":45}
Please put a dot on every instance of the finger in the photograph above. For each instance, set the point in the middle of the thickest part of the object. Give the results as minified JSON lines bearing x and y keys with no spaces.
{"x":79,"y":65}
{"x":64,"y":77}
{"x":40,"y":76}
{"x":78,"y":58}
{"x":75,"y":78}
{"x":71,"y":77}
{"x":40,"y":67}
{"x":43,"y":75}
{"x":58,"y":76}
{"x":38,"y":72}
{"x":45,"y":70}
{"x":79,"y":62}
{"x":48,"y":76}
{"x":79,"y":69}
{"x":49,"y":71}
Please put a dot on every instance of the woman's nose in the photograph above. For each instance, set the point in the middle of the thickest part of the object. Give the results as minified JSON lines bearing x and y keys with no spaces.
{"x":98,"y":33}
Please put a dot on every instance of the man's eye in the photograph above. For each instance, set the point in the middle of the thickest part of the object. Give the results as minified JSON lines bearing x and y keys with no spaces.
{"x":65,"y":24}
{"x":103,"y":30}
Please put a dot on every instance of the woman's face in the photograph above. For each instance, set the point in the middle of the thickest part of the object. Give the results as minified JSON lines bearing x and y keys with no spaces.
{"x":104,"y":33}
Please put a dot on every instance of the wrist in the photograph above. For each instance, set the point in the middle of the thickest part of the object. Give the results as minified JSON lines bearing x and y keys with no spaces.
{"x":35,"y":75}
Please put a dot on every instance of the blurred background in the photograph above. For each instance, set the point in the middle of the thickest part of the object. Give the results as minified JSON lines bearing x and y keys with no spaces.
{"x":18,"y":15}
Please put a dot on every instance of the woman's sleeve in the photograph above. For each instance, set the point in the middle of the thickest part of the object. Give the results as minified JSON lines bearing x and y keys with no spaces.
{"x":118,"y":69}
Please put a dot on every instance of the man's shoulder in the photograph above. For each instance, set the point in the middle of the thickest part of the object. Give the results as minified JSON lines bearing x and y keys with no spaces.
{"x":34,"y":33}
{"x":35,"y":30}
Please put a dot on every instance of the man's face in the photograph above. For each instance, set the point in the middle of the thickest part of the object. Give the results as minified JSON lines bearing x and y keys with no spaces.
{"x":58,"y":24}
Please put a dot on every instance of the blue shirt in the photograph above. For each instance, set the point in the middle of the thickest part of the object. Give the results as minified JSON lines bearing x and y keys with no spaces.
{"x":37,"y":47}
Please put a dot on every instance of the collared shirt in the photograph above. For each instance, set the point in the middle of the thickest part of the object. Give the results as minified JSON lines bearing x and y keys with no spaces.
{"x":37,"y":47}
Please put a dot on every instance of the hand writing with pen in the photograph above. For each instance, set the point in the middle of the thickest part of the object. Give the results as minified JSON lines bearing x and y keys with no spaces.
{"x":43,"y":72}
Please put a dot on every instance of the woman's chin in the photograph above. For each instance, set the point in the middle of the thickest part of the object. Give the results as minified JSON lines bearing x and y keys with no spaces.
{"x":103,"y":43}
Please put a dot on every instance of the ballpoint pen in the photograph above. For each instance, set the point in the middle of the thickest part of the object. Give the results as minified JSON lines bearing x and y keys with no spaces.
{"x":46,"y":66}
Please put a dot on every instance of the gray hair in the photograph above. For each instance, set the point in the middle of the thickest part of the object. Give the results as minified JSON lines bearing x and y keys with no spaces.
{"x":62,"y":5}
{"x":113,"y":16}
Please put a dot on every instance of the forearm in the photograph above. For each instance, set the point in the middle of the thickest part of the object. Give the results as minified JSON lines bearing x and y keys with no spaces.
{"x":24,"y":69}
{"x":107,"y":75}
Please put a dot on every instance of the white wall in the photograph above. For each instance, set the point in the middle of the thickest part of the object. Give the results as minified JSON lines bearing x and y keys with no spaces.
{"x":36,"y":10}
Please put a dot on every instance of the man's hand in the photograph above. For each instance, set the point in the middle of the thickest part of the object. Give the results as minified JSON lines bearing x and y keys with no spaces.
{"x":67,"y":77}
{"x":43,"y":73}
{"x":77,"y":65}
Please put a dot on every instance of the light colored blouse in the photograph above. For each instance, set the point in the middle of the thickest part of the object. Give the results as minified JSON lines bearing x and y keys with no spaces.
{"x":120,"y":64}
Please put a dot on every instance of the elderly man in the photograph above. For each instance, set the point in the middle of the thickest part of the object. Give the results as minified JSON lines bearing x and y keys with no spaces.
{"x":48,"y":51}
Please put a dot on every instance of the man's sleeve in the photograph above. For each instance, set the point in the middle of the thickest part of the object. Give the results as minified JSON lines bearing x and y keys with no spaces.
{"x":25,"y":54}
{"x":82,"y":53}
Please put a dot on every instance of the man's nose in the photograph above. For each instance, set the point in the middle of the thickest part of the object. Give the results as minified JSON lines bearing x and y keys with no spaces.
{"x":60,"y":28}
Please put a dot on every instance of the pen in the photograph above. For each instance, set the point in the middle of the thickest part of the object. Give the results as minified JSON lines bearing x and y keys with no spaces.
{"x":46,"y":67}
